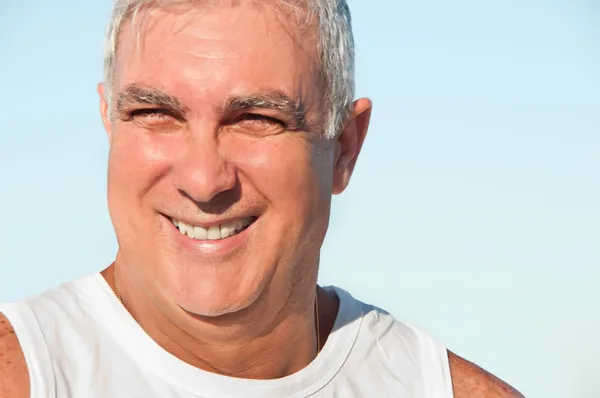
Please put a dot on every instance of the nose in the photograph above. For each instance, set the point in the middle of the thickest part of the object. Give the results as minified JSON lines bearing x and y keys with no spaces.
{"x":202,"y":172}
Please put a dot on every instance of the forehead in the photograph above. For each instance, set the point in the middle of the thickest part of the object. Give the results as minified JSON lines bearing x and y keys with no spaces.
{"x":211,"y":51}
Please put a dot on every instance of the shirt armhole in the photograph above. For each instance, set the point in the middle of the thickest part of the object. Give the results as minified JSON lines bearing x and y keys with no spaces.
{"x":437,"y":376}
{"x":35,"y":350}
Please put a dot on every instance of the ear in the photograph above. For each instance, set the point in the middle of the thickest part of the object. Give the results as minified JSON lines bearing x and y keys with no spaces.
{"x":104,"y":111}
{"x":349,"y":143}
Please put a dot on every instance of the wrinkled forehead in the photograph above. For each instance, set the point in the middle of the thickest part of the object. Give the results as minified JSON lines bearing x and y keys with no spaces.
{"x":289,"y":21}
{"x":262,"y":42}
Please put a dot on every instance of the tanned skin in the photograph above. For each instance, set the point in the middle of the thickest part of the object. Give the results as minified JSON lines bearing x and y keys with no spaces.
{"x":471,"y":381}
{"x":14,"y":377}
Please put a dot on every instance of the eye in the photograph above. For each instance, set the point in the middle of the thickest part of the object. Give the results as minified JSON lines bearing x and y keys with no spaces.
{"x":150,"y":114}
{"x":256,"y":120}
{"x":258,"y":125}
{"x":253,"y":117}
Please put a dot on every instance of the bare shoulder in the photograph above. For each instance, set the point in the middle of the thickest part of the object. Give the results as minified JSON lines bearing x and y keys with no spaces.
{"x":470,"y":381}
{"x":14,"y":377}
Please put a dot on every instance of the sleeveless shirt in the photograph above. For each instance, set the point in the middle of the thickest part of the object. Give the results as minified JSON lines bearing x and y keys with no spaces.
{"x":80,"y":342}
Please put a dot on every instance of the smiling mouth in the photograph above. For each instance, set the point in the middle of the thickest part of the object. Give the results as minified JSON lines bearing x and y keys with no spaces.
{"x":216,"y":232}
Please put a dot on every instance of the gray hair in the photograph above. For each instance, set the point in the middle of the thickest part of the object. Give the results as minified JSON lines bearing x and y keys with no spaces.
{"x":335,"y":47}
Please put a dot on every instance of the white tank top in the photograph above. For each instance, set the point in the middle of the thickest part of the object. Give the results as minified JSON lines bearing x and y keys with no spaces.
{"x":80,"y":342}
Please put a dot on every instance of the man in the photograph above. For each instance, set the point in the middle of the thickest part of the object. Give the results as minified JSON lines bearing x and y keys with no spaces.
{"x":231,"y":124}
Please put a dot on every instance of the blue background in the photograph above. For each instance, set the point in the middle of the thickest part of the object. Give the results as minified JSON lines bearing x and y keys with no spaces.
{"x":474,"y":212}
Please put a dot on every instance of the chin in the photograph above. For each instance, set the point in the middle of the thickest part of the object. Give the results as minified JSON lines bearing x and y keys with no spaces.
{"x":214,"y":311}
{"x":215,"y":308}
{"x":218,"y":299}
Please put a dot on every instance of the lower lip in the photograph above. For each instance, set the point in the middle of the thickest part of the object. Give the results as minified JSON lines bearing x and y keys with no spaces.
{"x":218,"y":247}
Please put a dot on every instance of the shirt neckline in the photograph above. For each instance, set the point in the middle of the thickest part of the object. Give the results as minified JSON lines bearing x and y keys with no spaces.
{"x":181,"y":375}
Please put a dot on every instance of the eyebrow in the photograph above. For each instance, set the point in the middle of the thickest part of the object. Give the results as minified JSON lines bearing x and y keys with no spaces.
{"x":135,"y":94}
{"x":277,"y":101}
{"x":294,"y":109}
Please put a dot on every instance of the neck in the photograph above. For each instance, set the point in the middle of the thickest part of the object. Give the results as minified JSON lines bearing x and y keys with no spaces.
{"x":285,"y":344}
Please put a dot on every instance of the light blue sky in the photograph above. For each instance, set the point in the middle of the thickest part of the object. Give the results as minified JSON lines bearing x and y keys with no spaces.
{"x":474,"y":212}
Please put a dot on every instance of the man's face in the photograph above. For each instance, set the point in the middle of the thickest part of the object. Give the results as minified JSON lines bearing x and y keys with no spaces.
{"x":219,"y":181}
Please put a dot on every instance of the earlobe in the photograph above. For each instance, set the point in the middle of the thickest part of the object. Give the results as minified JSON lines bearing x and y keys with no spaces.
{"x":349,"y":144}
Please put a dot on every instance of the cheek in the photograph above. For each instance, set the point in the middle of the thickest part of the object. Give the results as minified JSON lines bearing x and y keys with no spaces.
{"x":136,"y":162}
{"x":293,"y":173}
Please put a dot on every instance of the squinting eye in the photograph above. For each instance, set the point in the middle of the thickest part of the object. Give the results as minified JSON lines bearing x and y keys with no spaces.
{"x":259,"y":119}
{"x":254,"y":124}
{"x":150,"y":114}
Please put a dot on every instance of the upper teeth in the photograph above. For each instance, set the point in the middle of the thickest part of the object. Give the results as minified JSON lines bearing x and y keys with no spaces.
{"x":215,"y":232}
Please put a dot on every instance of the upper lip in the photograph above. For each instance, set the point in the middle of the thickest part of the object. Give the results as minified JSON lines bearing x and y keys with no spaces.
{"x":207,"y":224}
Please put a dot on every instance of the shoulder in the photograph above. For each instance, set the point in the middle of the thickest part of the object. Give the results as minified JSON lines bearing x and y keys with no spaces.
{"x":469,"y":380}
{"x":13,"y":369}
{"x":401,"y":340}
